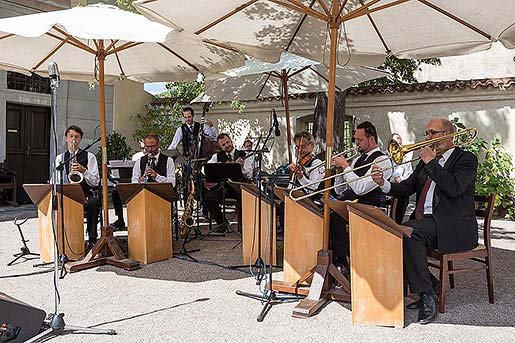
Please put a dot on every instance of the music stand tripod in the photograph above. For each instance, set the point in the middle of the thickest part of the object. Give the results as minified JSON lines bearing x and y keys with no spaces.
{"x":270,"y":297}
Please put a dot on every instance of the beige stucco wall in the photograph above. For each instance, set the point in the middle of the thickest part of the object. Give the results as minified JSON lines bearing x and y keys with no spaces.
{"x":129,"y":99}
{"x":491,"y":111}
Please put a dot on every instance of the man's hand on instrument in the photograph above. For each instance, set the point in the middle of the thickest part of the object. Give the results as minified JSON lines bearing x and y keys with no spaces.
{"x":78,"y":167}
{"x":377,"y":175}
{"x":239,"y":160}
{"x":297,"y":170}
{"x":340,"y":162}
{"x":207,"y":122}
{"x":427,"y":154}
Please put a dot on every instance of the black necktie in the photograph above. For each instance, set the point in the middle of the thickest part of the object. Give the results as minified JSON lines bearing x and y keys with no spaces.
{"x":153,"y":162}
{"x":229,"y":157}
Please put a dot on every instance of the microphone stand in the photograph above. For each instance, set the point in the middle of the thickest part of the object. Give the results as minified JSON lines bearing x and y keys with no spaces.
{"x":55,"y":320}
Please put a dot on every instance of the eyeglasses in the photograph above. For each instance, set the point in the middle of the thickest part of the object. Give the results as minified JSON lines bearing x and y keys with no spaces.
{"x":433,"y":132}
{"x":150,"y":146}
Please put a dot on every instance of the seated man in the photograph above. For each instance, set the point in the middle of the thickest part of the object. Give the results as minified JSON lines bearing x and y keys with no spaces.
{"x":84,"y":163}
{"x":215,"y":193}
{"x":444,"y":218}
{"x":355,"y":187}
{"x":151,"y":167}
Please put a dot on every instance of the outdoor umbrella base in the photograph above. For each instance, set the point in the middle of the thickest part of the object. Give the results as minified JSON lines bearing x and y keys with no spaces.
{"x":105,"y":245}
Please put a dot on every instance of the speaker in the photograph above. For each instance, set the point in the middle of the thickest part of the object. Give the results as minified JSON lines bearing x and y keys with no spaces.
{"x":18,"y":321}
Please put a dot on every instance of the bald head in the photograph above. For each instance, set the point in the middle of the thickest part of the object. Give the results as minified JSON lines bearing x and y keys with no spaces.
{"x":443,"y":124}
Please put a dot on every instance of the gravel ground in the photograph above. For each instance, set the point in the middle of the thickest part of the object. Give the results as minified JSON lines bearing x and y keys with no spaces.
{"x":181,"y":301}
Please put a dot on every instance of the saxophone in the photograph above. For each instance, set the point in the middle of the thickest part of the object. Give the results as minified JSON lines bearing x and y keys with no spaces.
{"x":187,"y":220}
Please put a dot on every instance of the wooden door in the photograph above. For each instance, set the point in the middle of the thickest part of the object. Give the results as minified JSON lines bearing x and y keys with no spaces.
{"x":28,"y":145}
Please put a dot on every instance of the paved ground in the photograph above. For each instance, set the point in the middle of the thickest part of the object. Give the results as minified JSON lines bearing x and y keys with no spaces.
{"x":181,"y":301}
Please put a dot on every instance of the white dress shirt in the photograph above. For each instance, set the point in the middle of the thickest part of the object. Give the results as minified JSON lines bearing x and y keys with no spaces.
{"x":363,"y":185}
{"x":209,"y":131}
{"x":91,"y":175}
{"x":428,"y":204}
{"x":247,"y":168}
{"x":316,"y":174}
{"x":170,"y":171}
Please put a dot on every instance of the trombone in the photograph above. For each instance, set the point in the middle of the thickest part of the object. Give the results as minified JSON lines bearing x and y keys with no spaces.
{"x":352,"y":152}
{"x":396,"y":153}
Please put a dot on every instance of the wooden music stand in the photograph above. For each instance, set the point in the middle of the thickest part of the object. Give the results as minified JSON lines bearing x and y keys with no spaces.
{"x":303,"y":239}
{"x":73,"y":205}
{"x":250,"y":231}
{"x":149,"y":219}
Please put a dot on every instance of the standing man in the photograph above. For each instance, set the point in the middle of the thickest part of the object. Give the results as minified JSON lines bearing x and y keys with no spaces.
{"x":444,"y":218}
{"x":151,"y":167}
{"x":214,"y":196}
{"x":356,"y":188}
{"x":188,"y":132}
{"x":84,"y":163}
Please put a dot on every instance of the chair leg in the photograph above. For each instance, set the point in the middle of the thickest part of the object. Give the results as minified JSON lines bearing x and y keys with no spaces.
{"x":489,"y":279}
{"x":450,"y":265}
{"x":443,"y":281}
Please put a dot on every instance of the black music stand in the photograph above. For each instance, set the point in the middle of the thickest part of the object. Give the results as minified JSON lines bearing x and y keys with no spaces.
{"x":221,"y":173}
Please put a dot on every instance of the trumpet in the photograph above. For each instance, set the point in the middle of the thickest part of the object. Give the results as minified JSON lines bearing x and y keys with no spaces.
{"x":396,"y":153}
{"x":352,"y":152}
{"x":74,"y":176}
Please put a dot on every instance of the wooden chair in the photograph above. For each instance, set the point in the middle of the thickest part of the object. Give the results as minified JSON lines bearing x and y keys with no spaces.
{"x":482,"y":253}
{"x":12,"y":185}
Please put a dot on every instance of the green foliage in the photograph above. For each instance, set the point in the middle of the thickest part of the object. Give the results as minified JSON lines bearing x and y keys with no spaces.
{"x":126,"y":5}
{"x":401,"y":70}
{"x":117,"y":148}
{"x":494,"y":171}
{"x":238,"y":106}
{"x":157,"y":119}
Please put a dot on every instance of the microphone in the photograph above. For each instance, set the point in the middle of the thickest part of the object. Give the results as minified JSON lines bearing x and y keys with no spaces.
{"x":276,"y":123}
{"x":53,"y":71}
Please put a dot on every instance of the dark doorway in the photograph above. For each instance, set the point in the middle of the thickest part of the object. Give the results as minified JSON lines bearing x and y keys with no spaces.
{"x":28,"y":145}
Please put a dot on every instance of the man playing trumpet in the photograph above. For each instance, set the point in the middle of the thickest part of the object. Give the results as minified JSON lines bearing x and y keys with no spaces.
{"x":444,"y":217}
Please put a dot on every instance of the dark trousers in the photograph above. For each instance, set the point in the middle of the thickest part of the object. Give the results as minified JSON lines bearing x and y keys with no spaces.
{"x":400,"y":210}
{"x":339,"y":240}
{"x":117,"y":204}
{"x":416,"y":269}
{"x":213,"y":200}
{"x":92,"y":208}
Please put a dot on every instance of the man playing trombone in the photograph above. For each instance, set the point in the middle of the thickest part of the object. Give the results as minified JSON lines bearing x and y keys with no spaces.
{"x":444,"y":217}
{"x":353,"y":186}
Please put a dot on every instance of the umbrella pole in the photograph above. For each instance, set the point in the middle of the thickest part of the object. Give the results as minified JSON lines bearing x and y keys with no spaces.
{"x":287,"y":112}
{"x":319,"y":291}
{"x":108,"y":246}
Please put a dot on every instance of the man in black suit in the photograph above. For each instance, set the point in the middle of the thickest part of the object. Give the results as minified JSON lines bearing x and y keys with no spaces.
{"x":444,"y":218}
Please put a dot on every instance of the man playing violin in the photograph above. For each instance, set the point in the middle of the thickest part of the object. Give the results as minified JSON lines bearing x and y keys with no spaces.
{"x":215,"y":194}
{"x":301,"y":172}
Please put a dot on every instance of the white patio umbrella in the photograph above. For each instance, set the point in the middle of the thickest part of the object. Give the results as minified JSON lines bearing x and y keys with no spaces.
{"x":105,"y":42}
{"x":359,"y":32}
{"x":341,"y":32}
{"x":291,"y":75}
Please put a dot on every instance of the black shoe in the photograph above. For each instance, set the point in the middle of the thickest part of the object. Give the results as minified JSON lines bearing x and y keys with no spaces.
{"x":416,"y":304}
{"x":119,"y":224}
{"x":428,"y":308}
{"x":87,"y":247}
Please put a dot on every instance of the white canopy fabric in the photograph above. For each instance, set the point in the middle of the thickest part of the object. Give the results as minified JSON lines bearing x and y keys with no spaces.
{"x":369,"y":29}
{"x":29,"y":42}
{"x":259,"y":79}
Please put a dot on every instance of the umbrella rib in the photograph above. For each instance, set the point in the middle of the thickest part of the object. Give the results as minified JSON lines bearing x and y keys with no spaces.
{"x":342,"y":7}
{"x":125,"y":46}
{"x":387,"y":49}
{"x":179,"y":56}
{"x":297,"y":29}
{"x":113,"y":42}
{"x":298,"y":71}
{"x":323,"y":77}
{"x":455,"y":18}
{"x":263,"y":86}
{"x":365,"y":9}
{"x":227,"y":15}
{"x":50,"y":54}
{"x":324,"y":7}
{"x":77,"y":42}
{"x":7,"y":36}
{"x":296,"y":6}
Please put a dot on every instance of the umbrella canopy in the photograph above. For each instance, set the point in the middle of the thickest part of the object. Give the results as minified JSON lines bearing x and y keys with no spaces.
{"x":96,"y":41}
{"x":291,"y":75}
{"x":369,"y":30}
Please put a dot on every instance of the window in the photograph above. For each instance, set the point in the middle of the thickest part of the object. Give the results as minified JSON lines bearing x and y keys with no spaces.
{"x":33,"y":83}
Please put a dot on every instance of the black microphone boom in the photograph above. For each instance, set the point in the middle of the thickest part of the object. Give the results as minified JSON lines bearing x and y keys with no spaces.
{"x":276,"y":123}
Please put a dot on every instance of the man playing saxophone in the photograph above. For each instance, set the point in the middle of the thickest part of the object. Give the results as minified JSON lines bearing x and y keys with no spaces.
{"x":82,"y":163}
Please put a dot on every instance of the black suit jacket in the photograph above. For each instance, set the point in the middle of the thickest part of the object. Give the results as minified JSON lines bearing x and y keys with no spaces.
{"x":453,"y":199}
